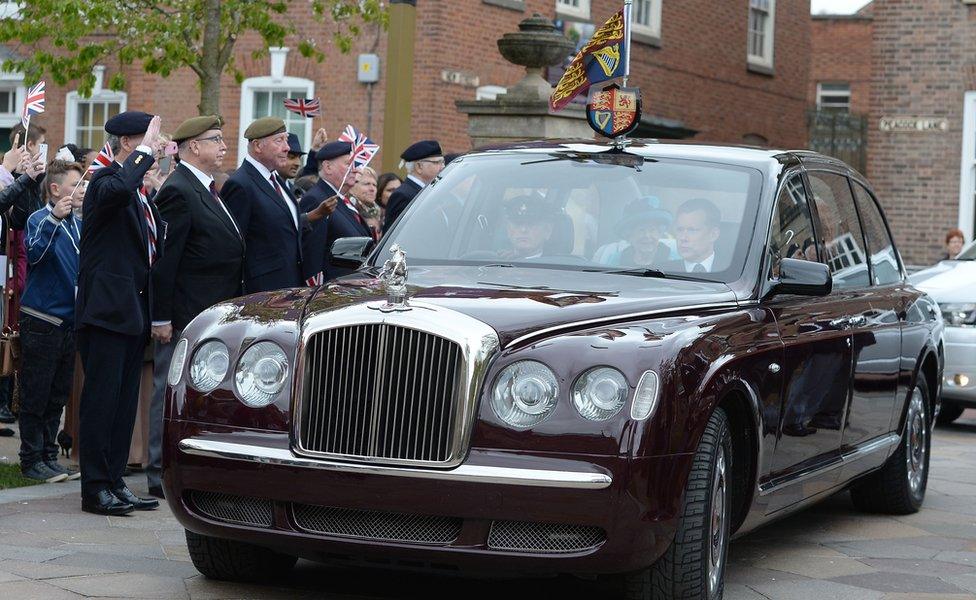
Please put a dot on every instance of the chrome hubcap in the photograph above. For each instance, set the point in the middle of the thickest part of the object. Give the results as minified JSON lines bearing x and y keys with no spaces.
{"x":915,"y":439}
{"x":717,"y":532}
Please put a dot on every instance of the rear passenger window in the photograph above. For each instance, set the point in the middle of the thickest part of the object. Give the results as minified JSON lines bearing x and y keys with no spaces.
{"x":884,"y":262}
{"x":839,"y":231}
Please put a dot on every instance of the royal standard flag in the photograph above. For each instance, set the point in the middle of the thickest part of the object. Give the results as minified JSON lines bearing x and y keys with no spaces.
{"x":603,"y":58}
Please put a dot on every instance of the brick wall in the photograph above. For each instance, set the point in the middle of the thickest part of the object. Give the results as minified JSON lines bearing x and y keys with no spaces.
{"x":922,"y":50}
{"x":696,"y":75}
{"x":840,"y":52}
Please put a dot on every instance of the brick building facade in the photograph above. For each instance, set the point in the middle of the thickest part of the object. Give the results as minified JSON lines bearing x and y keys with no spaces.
{"x":690,"y":57}
{"x":920,"y":101}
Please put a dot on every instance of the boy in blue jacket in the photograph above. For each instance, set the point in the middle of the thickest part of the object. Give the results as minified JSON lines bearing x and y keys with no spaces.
{"x":53,"y":239}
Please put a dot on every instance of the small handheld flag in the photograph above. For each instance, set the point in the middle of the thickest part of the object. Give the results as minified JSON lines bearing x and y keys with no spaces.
{"x":33,"y":104}
{"x":363,"y":148}
{"x":104,"y":158}
{"x":307,"y":107}
{"x":603,"y":58}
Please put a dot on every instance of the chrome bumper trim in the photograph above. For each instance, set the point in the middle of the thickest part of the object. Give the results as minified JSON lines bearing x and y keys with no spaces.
{"x":466,"y":473}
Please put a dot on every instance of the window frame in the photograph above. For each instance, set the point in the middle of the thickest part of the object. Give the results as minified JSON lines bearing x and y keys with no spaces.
{"x":581,"y":12}
{"x":820,"y":94}
{"x":651,"y":32}
{"x":73,"y":100}
{"x":852,"y":182}
{"x":270,"y":84}
{"x":818,"y":224}
{"x":764,"y":62}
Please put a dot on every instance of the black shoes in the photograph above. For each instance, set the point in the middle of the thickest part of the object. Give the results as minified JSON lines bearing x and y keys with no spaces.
{"x":39,"y":471}
{"x":157,"y":492}
{"x":5,"y":415}
{"x":125,"y":495}
{"x":106,"y":503}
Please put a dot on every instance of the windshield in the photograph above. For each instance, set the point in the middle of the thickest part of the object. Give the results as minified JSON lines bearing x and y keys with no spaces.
{"x":968,"y":253}
{"x":585,"y":213}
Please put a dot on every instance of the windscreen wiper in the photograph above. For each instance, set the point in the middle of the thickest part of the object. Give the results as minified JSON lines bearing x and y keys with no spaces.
{"x":654,"y":273}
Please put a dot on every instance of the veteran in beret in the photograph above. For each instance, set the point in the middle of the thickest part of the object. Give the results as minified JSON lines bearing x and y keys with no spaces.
{"x":120,"y":244}
{"x":202,"y":261}
{"x":267,"y":214}
{"x":334,"y":159}
{"x":423,"y":161}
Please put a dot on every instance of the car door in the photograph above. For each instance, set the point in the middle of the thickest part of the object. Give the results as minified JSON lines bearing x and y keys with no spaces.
{"x":817,"y":363}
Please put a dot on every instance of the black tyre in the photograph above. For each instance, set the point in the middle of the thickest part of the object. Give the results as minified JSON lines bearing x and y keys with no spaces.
{"x":693,"y":567}
{"x":230,"y":560}
{"x":949,"y":413}
{"x":898,"y":488}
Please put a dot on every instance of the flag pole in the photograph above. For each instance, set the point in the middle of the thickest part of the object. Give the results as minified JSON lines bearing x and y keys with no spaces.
{"x":628,"y":7}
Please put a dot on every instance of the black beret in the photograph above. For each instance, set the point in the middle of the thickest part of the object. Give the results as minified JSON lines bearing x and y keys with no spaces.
{"x":294,"y":146}
{"x":421,"y":150}
{"x":333,"y":150}
{"x":195,"y":126}
{"x":130,"y":122}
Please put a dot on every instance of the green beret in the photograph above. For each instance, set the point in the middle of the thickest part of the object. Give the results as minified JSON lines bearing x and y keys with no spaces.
{"x":191,"y":128}
{"x":264,"y":127}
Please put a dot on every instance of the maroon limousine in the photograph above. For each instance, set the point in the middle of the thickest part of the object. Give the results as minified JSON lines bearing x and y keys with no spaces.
{"x":566,"y":357}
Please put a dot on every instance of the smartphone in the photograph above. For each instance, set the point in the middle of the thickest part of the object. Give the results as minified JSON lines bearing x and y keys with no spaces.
{"x":164,"y":164}
{"x":42,"y":150}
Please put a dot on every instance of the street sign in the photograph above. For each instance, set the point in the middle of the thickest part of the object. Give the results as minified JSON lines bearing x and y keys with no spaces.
{"x":913,"y":124}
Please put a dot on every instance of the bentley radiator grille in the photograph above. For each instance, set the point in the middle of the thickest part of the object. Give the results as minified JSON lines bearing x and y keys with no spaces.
{"x":234,"y":509}
{"x":547,"y":538}
{"x":381,"y":391}
{"x":374,"y":525}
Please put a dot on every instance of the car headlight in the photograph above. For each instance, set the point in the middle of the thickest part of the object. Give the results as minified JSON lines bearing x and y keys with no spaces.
{"x":525,"y":393}
{"x":209,"y":366}
{"x":959,"y":314}
{"x":261,"y":374}
{"x":177,"y":363}
{"x":600,"y":393}
{"x":646,"y":396}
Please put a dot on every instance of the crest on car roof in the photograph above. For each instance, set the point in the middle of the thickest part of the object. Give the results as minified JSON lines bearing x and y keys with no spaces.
{"x":614,"y":111}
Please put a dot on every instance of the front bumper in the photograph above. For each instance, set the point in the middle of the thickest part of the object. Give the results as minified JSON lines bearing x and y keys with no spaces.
{"x":959,"y":379}
{"x":632,"y":503}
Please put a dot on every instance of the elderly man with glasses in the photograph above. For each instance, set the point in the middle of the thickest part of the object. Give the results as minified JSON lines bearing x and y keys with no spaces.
{"x":423,"y":161}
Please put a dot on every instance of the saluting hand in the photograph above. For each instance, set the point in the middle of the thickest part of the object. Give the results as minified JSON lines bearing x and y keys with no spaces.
{"x":62,"y":208}
{"x":152,"y":138}
{"x":324,"y":209}
{"x":319,"y":139}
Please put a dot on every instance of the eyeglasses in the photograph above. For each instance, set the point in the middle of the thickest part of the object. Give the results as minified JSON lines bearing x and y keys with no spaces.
{"x":219,"y":139}
{"x":435,"y":161}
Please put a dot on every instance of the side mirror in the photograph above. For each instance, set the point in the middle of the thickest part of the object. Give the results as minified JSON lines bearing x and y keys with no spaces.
{"x":351,"y":252}
{"x":803,"y":277}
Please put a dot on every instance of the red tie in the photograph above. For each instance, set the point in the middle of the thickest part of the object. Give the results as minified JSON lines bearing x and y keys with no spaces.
{"x":355,"y":212}
{"x":213,"y":190}
{"x":274,"y":182}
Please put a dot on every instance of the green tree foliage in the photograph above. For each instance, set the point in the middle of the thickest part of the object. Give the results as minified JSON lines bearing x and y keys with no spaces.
{"x":64,"y":39}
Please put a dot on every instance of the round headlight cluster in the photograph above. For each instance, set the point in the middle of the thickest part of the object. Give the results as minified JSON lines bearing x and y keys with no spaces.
{"x":261,"y":374}
{"x":600,"y":393}
{"x":525,"y":394}
{"x":209,"y":366}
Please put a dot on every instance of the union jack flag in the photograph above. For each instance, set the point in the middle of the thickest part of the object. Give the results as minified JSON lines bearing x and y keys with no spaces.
{"x":105,"y":158}
{"x":307,"y":107}
{"x":363,"y":148}
{"x":34,"y":104}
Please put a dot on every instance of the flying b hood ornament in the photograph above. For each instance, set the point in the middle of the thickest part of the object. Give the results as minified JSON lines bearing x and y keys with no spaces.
{"x":394,"y":277}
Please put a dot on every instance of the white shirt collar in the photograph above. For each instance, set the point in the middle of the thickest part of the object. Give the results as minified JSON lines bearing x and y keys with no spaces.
{"x":263,"y":170}
{"x":417,"y":180}
{"x":203,"y":177}
{"x":707,"y":263}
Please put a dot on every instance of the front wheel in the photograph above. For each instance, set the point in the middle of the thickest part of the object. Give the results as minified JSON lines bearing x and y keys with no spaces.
{"x":230,"y":560}
{"x":693,"y":567}
{"x":898,"y":488}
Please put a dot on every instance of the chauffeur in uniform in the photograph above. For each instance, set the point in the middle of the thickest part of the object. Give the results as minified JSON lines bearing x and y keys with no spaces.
{"x":423,"y":160}
{"x":333,"y":160}
{"x":266,"y":212}
{"x":121,"y":240}
{"x":202,"y":262}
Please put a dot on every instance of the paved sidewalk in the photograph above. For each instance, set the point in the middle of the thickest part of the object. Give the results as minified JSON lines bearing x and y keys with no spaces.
{"x":50,"y":550}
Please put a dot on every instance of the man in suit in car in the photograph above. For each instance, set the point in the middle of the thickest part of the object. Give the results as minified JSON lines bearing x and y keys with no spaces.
{"x":267,"y":213}
{"x":121,"y":241}
{"x":423,"y":161}
{"x":202,"y":262}
{"x":697,"y":227}
{"x":334,"y":161}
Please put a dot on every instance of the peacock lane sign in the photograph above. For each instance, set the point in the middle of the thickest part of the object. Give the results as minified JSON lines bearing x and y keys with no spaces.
{"x":913,"y":124}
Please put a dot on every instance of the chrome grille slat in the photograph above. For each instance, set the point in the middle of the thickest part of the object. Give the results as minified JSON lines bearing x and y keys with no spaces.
{"x":381,"y":391}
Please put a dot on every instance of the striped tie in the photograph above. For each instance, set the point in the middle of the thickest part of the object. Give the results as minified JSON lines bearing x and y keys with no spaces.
{"x":150,"y":223}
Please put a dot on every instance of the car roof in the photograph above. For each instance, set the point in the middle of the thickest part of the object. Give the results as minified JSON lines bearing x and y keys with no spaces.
{"x":763,"y":158}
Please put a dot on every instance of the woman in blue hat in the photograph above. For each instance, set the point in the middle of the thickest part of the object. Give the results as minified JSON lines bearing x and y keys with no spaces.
{"x":642,"y":226}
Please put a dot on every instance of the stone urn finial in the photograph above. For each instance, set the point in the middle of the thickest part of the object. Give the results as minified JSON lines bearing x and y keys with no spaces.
{"x":536,"y":45}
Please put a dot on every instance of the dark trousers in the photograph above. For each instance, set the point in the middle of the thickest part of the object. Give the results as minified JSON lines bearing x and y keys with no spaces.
{"x":112,"y":363}
{"x":162,"y":356}
{"x":48,"y":361}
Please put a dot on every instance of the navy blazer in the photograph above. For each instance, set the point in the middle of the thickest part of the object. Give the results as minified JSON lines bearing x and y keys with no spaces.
{"x":341,"y":223}
{"x":114,"y":283}
{"x":273,"y":255}
{"x":398,"y":201}
{"x":204,"y":255}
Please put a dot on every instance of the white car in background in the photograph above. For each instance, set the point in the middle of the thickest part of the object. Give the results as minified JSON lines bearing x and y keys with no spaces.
{"x":952,"y":283}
